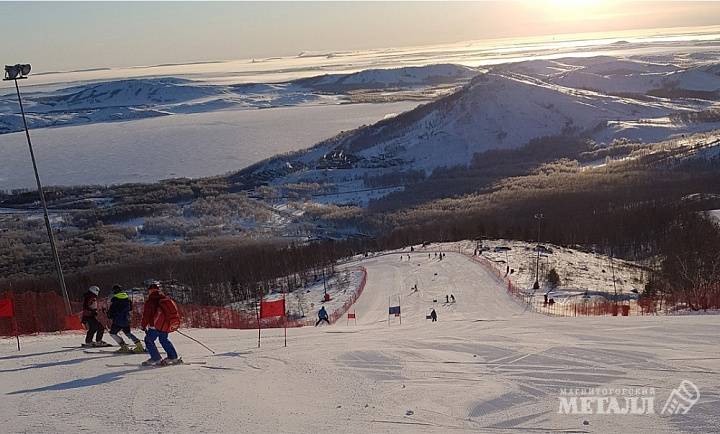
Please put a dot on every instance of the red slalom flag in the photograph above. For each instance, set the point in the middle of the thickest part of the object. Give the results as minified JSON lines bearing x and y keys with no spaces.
{"x":351,"y":315}
{"x":269,"y":309}
{"x":6,"y":308}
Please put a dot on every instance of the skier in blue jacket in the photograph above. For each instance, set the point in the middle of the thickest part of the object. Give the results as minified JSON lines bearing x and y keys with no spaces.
{"x":322,"y":316}
{"x":119,"y":314}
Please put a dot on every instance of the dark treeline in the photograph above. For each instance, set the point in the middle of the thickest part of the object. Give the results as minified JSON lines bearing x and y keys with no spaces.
{"x":630,"y":217}
{"x":690,"y":271}
{"x":216,"y":278}
{"x":627,"y":212}
{"x":610,"y":220}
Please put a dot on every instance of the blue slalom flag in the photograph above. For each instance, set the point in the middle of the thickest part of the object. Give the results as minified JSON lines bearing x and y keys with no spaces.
{"x":394,"y":310}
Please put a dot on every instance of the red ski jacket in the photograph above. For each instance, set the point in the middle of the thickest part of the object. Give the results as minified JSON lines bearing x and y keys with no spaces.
{"x":89,"y":305}
{"x":161,"y":313}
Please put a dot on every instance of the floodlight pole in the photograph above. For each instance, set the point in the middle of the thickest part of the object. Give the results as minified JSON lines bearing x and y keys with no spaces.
{"x":324,"y":282}
{"x":53,"y":247}
{"x":536,"y":286}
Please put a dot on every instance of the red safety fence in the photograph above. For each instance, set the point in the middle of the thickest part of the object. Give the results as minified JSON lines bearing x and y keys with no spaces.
{"x":37,"y":312}
{"x":596,"y":306}
{"x":40,"y":312}
{"x":358,"y":292}
{"x":512,"y":289}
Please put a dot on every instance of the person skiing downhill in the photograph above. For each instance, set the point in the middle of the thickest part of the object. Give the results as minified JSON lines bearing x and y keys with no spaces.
{"x":89,"y":318}
{"x":433,"y":315}
{"x":322,"y":316}
{"x":119,"y":315}
{"x":160,"y":318}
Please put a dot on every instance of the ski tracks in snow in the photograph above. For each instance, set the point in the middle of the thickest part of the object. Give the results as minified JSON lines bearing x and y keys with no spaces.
{"x":485,"y":366}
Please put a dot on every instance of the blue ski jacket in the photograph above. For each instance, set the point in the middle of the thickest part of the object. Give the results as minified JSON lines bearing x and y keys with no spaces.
{"x":322,"y":313}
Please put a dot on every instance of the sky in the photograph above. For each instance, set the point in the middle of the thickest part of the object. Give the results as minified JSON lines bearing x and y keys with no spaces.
{"x":62,"y":36}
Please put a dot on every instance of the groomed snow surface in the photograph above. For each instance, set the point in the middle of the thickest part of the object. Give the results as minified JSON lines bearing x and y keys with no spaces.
{"x":487,"y":365}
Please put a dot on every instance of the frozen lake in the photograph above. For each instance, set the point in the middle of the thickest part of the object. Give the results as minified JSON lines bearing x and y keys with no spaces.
{"x":192,"y":145}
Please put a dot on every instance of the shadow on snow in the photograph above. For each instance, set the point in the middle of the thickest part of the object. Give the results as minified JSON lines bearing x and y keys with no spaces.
{"x":105,"y":378}
{"x":22,"y":356}
{"x":52,"y":364}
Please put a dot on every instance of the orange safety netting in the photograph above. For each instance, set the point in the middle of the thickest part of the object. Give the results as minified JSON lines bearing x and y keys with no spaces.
{"x":39,"y":312}
{"x":345,"y":307}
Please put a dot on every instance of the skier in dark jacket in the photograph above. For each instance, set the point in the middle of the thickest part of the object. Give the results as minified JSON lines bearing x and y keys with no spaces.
{"x":322,"y":316}
{"x":89,"y":318}
{"x":433,"y":315}
{"x":119,"y":314}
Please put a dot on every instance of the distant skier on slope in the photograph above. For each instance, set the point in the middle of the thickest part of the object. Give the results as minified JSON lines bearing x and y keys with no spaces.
{"x":119,"y":315}
{"x":160,"y":318}
{"x":89,"y":318}
{"x":322,"y":316}
{"x":452,"y":298}
{"x":433,"y":315}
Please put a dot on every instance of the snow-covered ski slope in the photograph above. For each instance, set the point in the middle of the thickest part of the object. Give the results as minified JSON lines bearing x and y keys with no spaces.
{"x":485,"y":366}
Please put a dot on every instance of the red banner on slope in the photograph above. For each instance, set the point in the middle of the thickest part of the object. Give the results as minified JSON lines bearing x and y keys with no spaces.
{"x":269,"y":309}
{"x":6,"y":308}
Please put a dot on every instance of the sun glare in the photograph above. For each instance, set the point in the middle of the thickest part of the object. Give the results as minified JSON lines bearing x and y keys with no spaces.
{"x":574,"y":3}
{"x":575,"y":9}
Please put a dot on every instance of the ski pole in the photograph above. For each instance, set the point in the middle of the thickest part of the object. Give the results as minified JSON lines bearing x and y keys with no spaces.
{"x":196,"y":341}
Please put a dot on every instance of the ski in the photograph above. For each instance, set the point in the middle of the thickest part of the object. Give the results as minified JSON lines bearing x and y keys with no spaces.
{"x":137,"y":365}
{"x":80,"y":347}
{"x":98,"y":351}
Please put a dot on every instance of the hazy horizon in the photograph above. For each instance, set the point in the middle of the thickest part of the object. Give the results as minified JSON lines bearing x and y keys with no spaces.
{"x":103,"y":35}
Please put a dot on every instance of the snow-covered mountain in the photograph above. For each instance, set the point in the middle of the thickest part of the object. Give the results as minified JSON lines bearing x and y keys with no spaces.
{"x":137,"y":92}
{"x":496,"y":110}
{"x":157,"y":96}
{"x":391,"y":78}
{"x":505,"y":108}
{"x":493,"y":111}
{"x":469,"y":111}
{"x":624,"y":76}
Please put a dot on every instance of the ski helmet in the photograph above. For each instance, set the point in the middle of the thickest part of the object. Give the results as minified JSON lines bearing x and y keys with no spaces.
{"x":116,"y":288}
{"x":95,"y":290}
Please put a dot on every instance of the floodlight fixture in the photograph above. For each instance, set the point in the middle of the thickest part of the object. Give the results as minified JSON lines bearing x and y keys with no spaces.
{"x":17,"y":72}
{"x":11,"y":72}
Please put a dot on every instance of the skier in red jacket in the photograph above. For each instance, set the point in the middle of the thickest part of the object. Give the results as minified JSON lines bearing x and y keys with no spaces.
{"x":160,"y":318}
